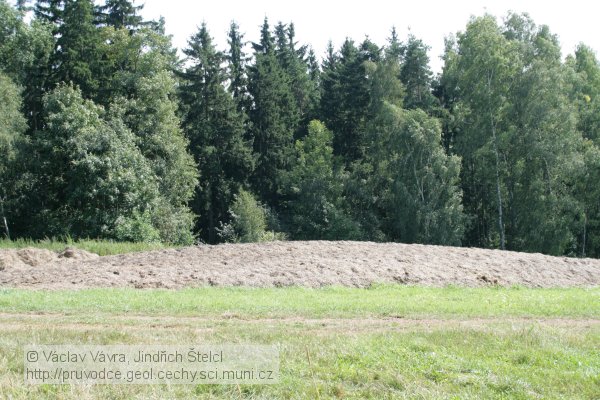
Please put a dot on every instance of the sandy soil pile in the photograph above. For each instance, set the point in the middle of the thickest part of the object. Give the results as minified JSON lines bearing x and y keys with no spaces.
{"x":310,"y":264}
{"x":38,"y":257}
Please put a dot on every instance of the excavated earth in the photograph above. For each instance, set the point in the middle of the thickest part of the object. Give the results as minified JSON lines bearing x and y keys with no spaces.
{"x":307,"y":264}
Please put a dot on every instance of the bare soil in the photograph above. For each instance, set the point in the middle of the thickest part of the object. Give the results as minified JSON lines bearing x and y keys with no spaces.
{"x":308,"y":264}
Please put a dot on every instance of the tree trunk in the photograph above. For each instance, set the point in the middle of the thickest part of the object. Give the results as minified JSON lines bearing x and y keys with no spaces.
{"x":211,"y":218}
{"x":499,"y":191}
{"x":584,"y":234}
{"x":497,"y":155}
{"x":4,"y":218}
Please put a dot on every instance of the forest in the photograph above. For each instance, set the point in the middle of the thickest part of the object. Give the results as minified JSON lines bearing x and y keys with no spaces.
{"x":107,"y":132}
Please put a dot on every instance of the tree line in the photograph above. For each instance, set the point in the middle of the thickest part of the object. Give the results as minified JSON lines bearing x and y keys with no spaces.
{"x":105,"y":132}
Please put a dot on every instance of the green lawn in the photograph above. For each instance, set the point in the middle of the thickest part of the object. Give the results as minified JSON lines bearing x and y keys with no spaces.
{"x":381,"y":343}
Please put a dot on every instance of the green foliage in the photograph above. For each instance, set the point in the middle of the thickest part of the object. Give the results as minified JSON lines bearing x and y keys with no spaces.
{"x":416,"y":75}
{"x":588,"y":192}
{"x":485,"y":71}
{"x":248,"y":222}
{"x":25,"y":50}
{"x":121,"y":14}
{"x":76,"y":57}
{"x":362,"y":195}
{"x":174,"y":223}
{"x":136,"y":229}
{"x":394,"y":50}
{"x":127,"y":58}
{"x":385,"y":85}
{"x":12,"y":127}
{"x":150,"y":111}
{"x":50,"y":11}
{"x":12,"y":32}
{"x":215,"y":129}
{"x":151,"y":114}
{"x":90,"y":171}
{"x":420,"y":199}
{"x":12,"y":122}
{"x":274,"y":118}
{"x":518,"y":138}
{"x":545,"y":161}
{"x":294,"y":62}
{"x":345,"y":99}
{"x":586,"y":96}
{"x":94,"y":167}
{"x":587,"y":92}
{"x":120,"y":139}
{"x":92,"y":180}
{"x":237,"y":62}
{"x":315,"y":191}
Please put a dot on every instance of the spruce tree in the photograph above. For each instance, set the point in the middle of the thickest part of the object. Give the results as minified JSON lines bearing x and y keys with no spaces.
{"x":417,"y":76}
{"x":273,"y":116}
{"x":76,"y":57}
{"x":314,"y":76}
{"x":394,"y":51}
{"x":303,"y":71}
{"x":369,"y":51}
{"x":283,"y":48}
{"x":50,"y":11}
{"x":345,"y":98}
{"x":329,"y":95}
{"x":237,"y":60}
{"x":23,"y":5}
{"x":121,"y":14}
{"x":215,"y":129}
{"x":292,"y":62}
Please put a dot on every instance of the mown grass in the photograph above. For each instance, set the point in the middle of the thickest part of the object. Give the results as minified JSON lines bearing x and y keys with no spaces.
{"x":100,"y":247}
{"x":378,"y":301}
{"x":387,"y":342}
{"x":512,"y":361}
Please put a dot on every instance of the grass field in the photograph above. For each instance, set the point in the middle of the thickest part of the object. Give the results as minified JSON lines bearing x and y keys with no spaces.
{"x":386,"y":342}
{"x":100,"y":247}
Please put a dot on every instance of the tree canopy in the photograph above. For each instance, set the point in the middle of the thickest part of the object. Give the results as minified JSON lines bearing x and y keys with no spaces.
{"x":107,"y":131}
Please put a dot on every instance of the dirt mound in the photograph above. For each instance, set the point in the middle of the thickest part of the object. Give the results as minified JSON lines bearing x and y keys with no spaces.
{"x":29,"y":257}
{"x":309,"y":264}
{"x":76,"y":254}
